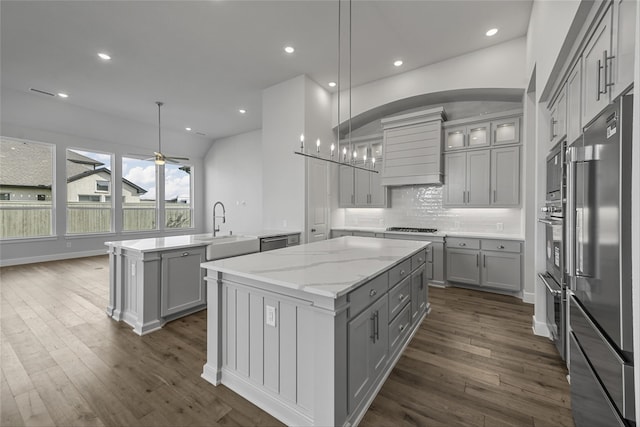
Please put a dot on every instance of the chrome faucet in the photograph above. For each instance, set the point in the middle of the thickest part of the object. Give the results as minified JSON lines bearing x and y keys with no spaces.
{"x":216,"y":229}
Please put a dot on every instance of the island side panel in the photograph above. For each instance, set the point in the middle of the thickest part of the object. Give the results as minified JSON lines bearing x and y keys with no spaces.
{"x":212,"y":369}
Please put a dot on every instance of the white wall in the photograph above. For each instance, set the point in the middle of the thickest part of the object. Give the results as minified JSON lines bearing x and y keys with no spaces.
{"x":496,"y":67}
{"x":37,"y":118}
{"x":233,"y":175}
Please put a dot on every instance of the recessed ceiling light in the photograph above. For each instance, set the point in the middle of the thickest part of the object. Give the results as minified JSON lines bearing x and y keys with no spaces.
{"x":62,"y":95}
{"x":332,"y":84}
{"x":398,"y":62}
{"x":242,"y":111}
{"x":492,"y":32}
{"x":188,"y":129}
{"x":104,"y":56}
{"x":289,"y":49}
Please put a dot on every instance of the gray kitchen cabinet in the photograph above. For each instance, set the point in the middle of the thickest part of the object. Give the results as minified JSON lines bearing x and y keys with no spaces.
{"x":467,"y":136}
{"x":574,"y":103}
{"x":463,"y":266}
{"x":558,"y":120}
{"x":347,"y":189}
{"x":505,"y":176}
{"x":493,"y":264}
{"x":359,"y":188}
{"x":596,"y":62}
{"x":467,"y":178}
{"x":501,"y":270}
{"x":434,"y":267}
{"x":505,"y":131}
{"x":368,"y":349}
{"x":182,"y":280}
{"x":624,"y":30}
{"x":412,"y":148}
{"x":340,"y":233}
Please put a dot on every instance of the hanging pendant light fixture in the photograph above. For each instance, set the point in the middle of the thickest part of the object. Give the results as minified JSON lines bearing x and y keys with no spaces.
{"x":348,"y":159}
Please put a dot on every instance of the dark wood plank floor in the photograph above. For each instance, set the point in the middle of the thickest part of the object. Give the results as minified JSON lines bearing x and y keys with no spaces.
{"x":474,"y":362}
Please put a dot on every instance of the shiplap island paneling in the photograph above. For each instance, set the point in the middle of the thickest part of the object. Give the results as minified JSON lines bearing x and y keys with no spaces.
{"x":281,"y":325}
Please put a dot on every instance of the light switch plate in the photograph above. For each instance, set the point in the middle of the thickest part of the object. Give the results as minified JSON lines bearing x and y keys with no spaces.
{"x":270,"y":314}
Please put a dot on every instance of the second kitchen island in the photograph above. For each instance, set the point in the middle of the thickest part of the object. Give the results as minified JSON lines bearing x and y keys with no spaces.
{"x":309,"y":333}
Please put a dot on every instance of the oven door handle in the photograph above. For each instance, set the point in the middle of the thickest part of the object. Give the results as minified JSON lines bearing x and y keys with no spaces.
{"x":554,"y":292}
{"x":550,"y":221}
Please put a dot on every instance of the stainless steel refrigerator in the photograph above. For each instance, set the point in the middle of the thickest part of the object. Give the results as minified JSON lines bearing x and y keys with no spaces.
{"x":599,"y":267}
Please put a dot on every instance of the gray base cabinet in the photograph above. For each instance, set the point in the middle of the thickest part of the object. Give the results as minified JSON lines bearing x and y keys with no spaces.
{"x":486,"y":263}
{"x":183,"y":285}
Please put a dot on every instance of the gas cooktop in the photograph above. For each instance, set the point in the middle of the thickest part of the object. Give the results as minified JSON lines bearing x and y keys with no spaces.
{"x":413,"y":229}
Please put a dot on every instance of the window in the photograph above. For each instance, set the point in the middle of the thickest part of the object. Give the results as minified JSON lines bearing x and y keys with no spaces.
{"x":139,"y":206}
{"x":26,"y":173}
{"x":103,"y":186}
{"x":177,"y":193}
{"x":87,"y":211}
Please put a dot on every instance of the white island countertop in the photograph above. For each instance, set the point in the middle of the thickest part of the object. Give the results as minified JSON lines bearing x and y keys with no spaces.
{"x":328,"y":268}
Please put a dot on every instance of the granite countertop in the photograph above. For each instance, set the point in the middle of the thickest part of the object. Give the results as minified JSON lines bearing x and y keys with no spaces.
{"x":154,"y":244}
{"x":329,"y":268}
{"x":439,"y":233}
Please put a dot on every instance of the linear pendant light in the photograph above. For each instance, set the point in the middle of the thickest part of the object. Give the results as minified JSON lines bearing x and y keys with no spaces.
{"x":347,"y":160}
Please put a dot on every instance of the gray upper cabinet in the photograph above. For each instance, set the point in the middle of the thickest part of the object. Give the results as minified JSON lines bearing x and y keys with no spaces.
{"x":596,"y":63}
{"x":467,"y":136}
{"x":347,"y":189}
{"x":455,"y":179}
{"x":467,"y":178}
{"x":558,"y":120}
{"x":412,"y":149}
{"x":505,"y":131}
{"x":505,"y":176}
{"x":182,"y":280}
{"x":624,"y":31}
{"x":359,"y":188}
{"x":574,"y":103}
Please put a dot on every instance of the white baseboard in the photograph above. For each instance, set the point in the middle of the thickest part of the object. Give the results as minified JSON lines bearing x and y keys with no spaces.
{"x":540,"y":328}
{"x":529,"y":297}
{"x":52,"y":257}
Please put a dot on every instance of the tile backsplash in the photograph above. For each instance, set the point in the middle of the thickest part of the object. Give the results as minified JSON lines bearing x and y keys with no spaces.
{"x":421,"y":206}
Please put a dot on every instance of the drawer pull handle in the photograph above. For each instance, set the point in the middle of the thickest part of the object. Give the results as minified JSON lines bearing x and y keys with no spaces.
{"x":185,"y":254}
{"x":372,"y":293}
{"x":400,"y":297}
{"x":462,"y":244}
{"x":500,"y":246}
{"x":402,"y":327}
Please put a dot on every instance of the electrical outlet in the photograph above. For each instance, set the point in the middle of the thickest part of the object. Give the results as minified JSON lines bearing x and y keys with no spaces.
{"x":270,"y":314}
{"x":499,"y":226}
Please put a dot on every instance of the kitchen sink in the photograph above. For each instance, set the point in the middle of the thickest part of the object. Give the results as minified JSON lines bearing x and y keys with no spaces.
{"x":227,"y":246}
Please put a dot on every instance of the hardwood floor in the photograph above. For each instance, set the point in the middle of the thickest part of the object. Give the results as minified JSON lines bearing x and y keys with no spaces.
{"x":474,"y":361}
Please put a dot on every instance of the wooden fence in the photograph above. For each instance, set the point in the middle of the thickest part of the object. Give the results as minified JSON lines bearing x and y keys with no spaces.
{"x":24,"y":219}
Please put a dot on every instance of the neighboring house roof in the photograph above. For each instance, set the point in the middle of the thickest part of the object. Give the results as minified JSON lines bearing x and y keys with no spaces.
{"x":30,"y":165}
{"x":84,"y":174}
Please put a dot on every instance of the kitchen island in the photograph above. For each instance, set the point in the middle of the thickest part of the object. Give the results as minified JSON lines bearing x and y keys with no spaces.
{"x":309,"y":333}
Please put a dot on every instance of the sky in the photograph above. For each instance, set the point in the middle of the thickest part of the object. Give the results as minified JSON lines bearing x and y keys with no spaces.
{"x":143,"y":174}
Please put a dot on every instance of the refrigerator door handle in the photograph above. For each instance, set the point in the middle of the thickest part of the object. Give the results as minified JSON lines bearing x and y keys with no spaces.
{"x":570,"y":266}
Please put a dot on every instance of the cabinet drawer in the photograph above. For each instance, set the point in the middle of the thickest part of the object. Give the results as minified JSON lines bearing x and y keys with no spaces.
{"x":399,"y":272}
{"x":293,"y":239}
{"x":399,"y":328}
{"x":399,"y":296}
{"x":463,"y":242}
{"x":368,"y":293}
{"x":501,"y":245}
{"x":418,"y":259}
{"x":364,"y":233}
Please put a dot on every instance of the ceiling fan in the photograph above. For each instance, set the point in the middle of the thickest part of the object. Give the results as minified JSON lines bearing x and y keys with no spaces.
{"x":158,"y":157}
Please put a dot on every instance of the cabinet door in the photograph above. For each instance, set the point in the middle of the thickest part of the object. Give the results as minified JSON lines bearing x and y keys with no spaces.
{"x":501,"y":270}
{"x":595,"y":94}
{"x":360,"y":332}
{"x":347,"y":198}
{"x":438,"y":262}
{"x":624,"y":31}
{"x":505,"y":131}
{"x":478,"y":177}
{"x":463,"y":266}
{"x":455,"y":138}
{"x":455,"y":179}
{"x":182,"y":285}
{"x":574,"y":103}
{"x":378,"y":193}
{"x":380,"y":347}
{"x":478,"y":135}
{"x":505,"y":176}
{"x":362,"y":187}
{"x":418,"y":293}
{"x":558,"y":125}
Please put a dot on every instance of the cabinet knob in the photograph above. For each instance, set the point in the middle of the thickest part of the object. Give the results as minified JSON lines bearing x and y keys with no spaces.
{"x":402,"y":273}
{"x":500,"y":246}
{"x":401,"y":328}
{"x":400,"y":297}
{"x":419,"y":259}
{"x":462,"y":244}
{"x":185,"y":253}
{"x":372,"y":293}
